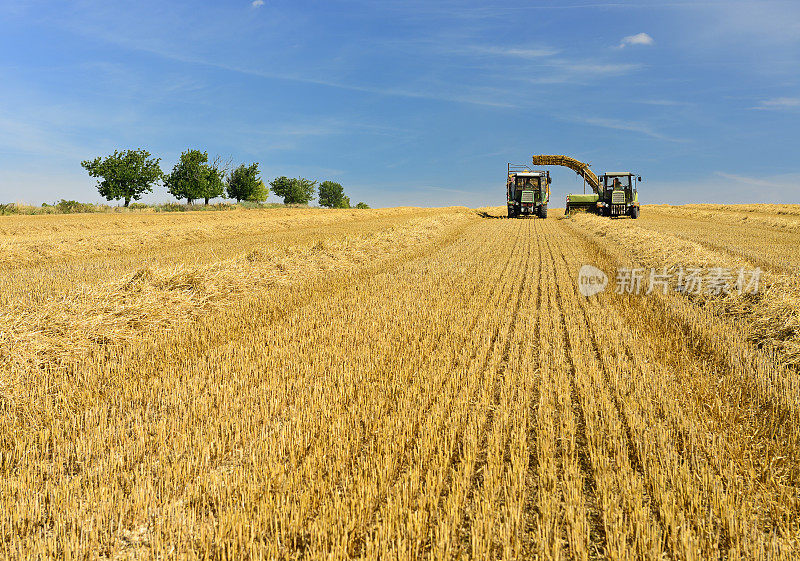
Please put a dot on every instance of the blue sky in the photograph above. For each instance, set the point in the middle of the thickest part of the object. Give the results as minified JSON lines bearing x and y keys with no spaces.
{"x":408,"y":102}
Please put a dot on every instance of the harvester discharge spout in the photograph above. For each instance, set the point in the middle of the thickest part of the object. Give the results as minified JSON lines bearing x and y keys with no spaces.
{"x":615,"y":194}
{"x":577,"y":166}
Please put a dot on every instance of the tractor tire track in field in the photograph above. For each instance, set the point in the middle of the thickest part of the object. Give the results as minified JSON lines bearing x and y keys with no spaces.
{"x":597,"y":536}
{"x":499,"y":374}
{"x":301,"y":458}
{"x":530,"y":508}
{"x":695,"y":474}
{"x":317,"y":443}
{"x":760,"y":382}
{"x":675,"y":535}
{"x":496,"y":292}
{"x":596,"y":349}
{"x":361,"y":537}
{"x":444,"y":528}
{"x":495,"y":296}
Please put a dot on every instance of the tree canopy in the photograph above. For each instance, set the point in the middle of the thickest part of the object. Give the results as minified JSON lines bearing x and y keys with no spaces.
{"x":244,"y":184}
{"x":260,"y":194}
{"x":194,"y":178}
{"x":294,"y":191}
{"x":331,"y":195}
{"x":213,"y":185}
{"x":125,"y":175}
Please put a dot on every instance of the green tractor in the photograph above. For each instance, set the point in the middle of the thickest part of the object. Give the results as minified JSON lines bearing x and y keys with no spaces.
{"x":527,"y":191}
{"x":614,"y":194}
{"x":617,"y":195}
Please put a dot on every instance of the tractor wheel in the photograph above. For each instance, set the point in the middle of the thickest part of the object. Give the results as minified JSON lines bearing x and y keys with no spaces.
{"x":635,"y":212}
{"x":511,"y":212}
{"x":543,"y":211}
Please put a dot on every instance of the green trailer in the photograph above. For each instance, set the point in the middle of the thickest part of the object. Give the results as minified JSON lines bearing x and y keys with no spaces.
{"x":585,"y":203}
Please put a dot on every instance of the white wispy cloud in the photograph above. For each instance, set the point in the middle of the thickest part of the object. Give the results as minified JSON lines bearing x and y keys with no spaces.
{"x":638,"y":39}
{"x":257,"y":3}
{"x":560,"y":71}
{"x":752,"y":181}
{"x":780,"y":103}
{"x":605,"y":69}
{"x":536,"y":64}
{"x":664,"y":102}
{"x":630,"y":126}
{"x":513,"y":52}
{"x":488,"y":97}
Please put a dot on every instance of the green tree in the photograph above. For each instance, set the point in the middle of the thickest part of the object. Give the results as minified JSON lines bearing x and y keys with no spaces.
{"x":125,"y":175}
{"x":362,"y":205}
{"x":244,"y":184}
{"x":213,"y":184}
{"x":294,"y":191}
{"x":281,"y":186}
{"x":331,"y":195}
{"x":194,"y":178}
{"x":185,"y":180}
{"x":260,"y":194}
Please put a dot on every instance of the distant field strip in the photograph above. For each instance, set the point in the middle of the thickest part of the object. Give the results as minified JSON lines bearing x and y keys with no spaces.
{"x":403,"y":384}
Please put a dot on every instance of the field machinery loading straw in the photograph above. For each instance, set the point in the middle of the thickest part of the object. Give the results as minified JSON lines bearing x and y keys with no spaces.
{"x":527,"y":191}
{"x":615,"y":193}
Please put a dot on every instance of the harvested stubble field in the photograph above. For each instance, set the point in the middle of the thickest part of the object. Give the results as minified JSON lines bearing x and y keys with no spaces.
{"x":396,"y":384}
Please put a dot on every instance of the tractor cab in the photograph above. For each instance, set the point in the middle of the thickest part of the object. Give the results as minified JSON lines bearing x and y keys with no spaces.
{"x":528,"y":192}
{"x":618,"y":194}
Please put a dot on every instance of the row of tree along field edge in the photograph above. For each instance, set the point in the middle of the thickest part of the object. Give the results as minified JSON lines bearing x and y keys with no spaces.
{"x":129,"y":174}
{"x":65,"y":206}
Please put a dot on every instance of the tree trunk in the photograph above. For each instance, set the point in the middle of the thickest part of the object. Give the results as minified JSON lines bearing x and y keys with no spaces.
{"x":206,"y":201}
{"x":127,"y":201}
{"x":189,"y":201}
